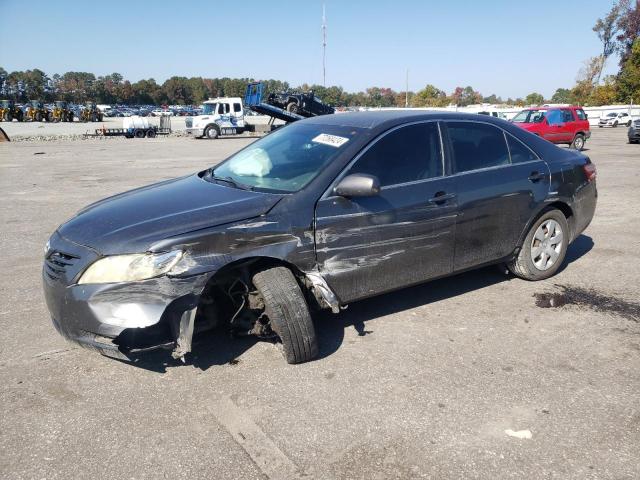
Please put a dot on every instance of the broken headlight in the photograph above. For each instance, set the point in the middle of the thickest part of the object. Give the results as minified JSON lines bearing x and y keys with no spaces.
{"x":130,"y":268}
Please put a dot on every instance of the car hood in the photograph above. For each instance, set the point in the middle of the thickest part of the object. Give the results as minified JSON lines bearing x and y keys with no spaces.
{"x":130,"y":222}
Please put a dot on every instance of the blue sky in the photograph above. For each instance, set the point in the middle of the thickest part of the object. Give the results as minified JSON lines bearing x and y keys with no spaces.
{"x":507,"y":47}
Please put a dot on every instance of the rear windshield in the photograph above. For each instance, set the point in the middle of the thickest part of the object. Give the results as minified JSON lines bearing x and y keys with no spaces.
{"x":530,"y":116}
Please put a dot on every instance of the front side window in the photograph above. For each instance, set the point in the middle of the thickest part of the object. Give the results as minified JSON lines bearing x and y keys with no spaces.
{"x":287,"y":159}
{"x":477,"y":145}
{"x":555,"y":117}
{"x":404,"y":155}
{"x":223,"y":108}
{"x":237,"y":107}
{"x":529,"y":116}
{"x":581,"y":114}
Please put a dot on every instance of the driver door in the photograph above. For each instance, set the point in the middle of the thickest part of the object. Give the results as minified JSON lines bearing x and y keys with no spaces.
{"x":402,"y":236}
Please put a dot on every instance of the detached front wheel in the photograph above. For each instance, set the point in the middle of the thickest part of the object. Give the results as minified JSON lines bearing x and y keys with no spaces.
{"x":288,"y":313}
{"x":543,"y":249}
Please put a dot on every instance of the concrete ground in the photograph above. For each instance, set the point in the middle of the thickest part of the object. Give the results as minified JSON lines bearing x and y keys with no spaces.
{"x":421,"y":383}
{"x":18,"y":130}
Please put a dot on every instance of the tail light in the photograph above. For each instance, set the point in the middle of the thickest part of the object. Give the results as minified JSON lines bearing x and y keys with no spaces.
{"x":589,"y":171}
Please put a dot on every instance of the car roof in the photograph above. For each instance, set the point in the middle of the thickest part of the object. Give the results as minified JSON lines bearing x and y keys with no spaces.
{"x":388,"y":118}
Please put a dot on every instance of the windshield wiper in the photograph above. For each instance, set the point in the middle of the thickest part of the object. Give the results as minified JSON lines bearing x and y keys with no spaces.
{"x":229,"y":180}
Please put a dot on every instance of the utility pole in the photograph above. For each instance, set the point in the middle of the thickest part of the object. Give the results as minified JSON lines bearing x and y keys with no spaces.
{"x":406,"y":92}
{"x":324,"y":46}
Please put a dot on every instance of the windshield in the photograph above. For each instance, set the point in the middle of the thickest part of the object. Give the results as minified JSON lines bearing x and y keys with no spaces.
{"x":209,"y":108}
{"x":287,"y":159}
{"x":530,"y":116}
{"x":612,"y":115}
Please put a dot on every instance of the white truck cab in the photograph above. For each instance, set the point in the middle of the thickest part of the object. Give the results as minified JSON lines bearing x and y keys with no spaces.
{"x":220,"y":116}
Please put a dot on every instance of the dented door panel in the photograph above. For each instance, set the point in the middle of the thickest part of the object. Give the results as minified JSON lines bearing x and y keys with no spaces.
{"x":374,"y":244}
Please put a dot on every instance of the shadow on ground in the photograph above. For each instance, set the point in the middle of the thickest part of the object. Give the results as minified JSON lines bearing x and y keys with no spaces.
{"x":218,"y":348}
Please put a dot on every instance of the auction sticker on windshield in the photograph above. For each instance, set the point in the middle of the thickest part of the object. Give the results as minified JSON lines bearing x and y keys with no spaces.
{"x":332,"y":140}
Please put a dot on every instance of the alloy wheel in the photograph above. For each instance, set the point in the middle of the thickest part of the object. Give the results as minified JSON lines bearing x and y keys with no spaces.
{"x":546,"y":244}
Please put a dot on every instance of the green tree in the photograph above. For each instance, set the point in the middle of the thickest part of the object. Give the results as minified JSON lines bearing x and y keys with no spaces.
{"x":606,"y":28}
{"x":628,"y":81}
{"x":534,"y":99}
{"x":430,"y":96}
{"x":561,"y":95}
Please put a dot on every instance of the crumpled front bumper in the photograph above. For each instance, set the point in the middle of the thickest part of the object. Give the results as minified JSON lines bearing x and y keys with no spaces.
{"x":117,"y":319}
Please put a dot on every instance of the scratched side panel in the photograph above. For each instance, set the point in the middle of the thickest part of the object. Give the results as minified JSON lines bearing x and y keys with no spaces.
{"x":366,"y":246}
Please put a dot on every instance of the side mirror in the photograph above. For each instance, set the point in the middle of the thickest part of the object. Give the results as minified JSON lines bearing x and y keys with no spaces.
{"x":358,"y":185}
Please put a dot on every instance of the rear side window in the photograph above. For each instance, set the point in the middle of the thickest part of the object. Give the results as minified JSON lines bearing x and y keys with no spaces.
{"x":237,"y":107}
{"x":519,"y":152}
{"x":581,"y":114}
{"x":476,"y":146}
{"x":567,"y":116}
{"x":407,"y":154}
{"x":223,"y":108}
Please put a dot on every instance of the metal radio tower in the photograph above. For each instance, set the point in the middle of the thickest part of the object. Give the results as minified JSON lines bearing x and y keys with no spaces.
{"x":324,"y":46}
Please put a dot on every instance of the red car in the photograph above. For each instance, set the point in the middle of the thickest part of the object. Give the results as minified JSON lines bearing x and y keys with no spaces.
{"x":557,"y":124}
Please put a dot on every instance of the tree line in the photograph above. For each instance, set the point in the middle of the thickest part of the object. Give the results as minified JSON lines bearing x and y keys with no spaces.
{"x":618,"y":31}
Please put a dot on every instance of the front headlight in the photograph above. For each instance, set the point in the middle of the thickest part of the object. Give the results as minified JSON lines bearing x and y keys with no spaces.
{"x":130,"y":268}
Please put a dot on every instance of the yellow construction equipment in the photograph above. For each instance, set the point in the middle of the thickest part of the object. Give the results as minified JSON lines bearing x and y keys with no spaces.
{"x":90,"y":113}
{"x":9,"y":111}
{"x":61,"y":112}
{"x":36,"y":112}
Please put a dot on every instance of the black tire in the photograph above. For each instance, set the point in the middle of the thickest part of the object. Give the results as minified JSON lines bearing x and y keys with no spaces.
{"x":288,"y":313}
{"x":522,"y":265}
{"x":615,"y":124}
{"x":20,"y":116}
{"x":629,"y":123}
{"x":38,"y":117}
{"x":212,"y":132}
{"x":578,"y":142}
{"x":292,"y":107}
{"x":7,"y":116}
{"x":151,"y":133}
{"x":139,"y":133}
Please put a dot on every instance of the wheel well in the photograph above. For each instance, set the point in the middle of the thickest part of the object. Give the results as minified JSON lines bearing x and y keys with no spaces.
{"x":563,"y":207}
{"x":214,"y":291}
{"x":579,"y":133}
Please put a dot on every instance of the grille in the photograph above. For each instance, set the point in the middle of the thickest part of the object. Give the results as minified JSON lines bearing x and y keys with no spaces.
{"x":56,"y":264}
{"x":188,"y":122}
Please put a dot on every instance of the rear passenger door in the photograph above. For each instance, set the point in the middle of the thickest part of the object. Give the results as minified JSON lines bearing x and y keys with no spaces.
{"x":500,"y":183}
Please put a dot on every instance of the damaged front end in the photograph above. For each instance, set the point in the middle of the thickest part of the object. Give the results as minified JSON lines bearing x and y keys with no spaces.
{"x":124,"y":319}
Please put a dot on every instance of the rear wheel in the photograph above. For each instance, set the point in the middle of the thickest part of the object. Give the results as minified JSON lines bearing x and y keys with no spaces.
{"x":288,"y":313}
{"x":629,"y":123}
{"x":543,"y":249}
{"x":615,"y":124}
{"x":151,"y":133}
{"x":578,"y":142}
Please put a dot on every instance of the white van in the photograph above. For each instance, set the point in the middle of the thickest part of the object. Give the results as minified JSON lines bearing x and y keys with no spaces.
{"x":220,"y":116}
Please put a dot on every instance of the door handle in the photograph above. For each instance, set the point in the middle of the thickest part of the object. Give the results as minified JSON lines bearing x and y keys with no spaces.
{"x":440,"y":197}
{"x":536,"y":177}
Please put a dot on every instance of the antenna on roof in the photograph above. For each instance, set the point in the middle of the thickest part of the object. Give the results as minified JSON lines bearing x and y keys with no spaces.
{"x":324,"y":46}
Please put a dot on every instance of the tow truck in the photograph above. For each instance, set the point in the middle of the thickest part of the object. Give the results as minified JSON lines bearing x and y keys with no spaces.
{"x":224,"y":116}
